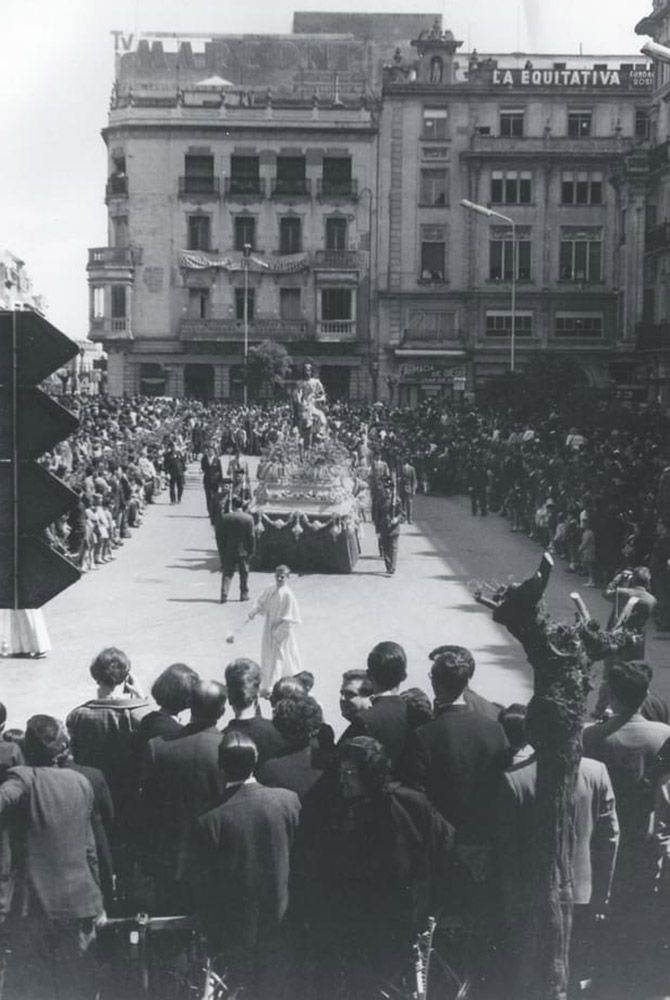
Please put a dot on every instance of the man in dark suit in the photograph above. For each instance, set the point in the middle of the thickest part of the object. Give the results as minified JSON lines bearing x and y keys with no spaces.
{"x":476,"y":701}
{"x":235,"y":541}
{"x":240,"y":872}
{"x":355,"y":694}
{"x":174,"y":465}
{"x":181,"y":780}
{"x":386,"y":719}
{"x":453,"y":758}
{"x":53,"y":872}
{"x":243,"y":681}
{"x":407,"y":488}
{"x":298,"y":721}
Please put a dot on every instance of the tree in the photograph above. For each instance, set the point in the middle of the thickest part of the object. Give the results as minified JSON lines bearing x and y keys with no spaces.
{"x":268,"y":366}
{"x":561,"y":656}
{"x":547,"y":382}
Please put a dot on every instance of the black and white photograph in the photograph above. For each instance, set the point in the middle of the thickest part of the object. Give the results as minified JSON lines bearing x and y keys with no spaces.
{"x":335,"y":500}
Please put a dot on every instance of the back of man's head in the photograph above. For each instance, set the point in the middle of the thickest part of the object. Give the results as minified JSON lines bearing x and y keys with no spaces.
{"x":236,"y":502}
{"x":286,"y":687}
{"x":641,"y":577}
{"x":238,"y":755}
{"x":449,"y":675}
{"x":387,"y":666}
{"x":359,"y":675}
{"x":629,"y":685}
{"x":243,"y":681}
{"x":208,"y":701}
{"x":513,"y":721}
{"x":111,"y":667}
{"x":459,"y":652}
{"x":45,"y":741}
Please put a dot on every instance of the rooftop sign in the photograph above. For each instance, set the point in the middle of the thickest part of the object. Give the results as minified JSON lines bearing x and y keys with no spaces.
{"x":603,"y":79}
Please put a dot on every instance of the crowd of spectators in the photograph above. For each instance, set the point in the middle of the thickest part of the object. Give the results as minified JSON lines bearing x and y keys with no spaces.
{"x":127,"y":451}
{"x":309,"y":861}
{"x":310,"y":865}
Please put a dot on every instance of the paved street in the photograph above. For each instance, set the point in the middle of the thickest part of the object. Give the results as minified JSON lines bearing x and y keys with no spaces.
{"x":159,"y":602}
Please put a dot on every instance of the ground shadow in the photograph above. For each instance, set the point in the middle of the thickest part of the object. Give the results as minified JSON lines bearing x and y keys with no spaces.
{"x":429,"y":552}
{"x":194,"y":600}
{"x":211,"y":564}
{"x":380,"y":572}
{"x":469,"y":609}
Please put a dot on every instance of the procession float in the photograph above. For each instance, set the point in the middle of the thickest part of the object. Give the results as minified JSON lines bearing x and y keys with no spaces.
{"x":307,"y":501}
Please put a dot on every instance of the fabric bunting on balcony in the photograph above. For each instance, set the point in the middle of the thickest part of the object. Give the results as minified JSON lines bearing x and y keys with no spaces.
{"x":199,"y":260}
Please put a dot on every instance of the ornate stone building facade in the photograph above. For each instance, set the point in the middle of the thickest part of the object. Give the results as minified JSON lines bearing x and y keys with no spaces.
{"x":306,"y":189}
{"x":653,"y":345}
{"x":551,"y":144}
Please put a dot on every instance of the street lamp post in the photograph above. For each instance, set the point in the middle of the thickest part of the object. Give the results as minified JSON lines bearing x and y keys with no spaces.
{"x":246,"y":253}
{"x":490,"y":213}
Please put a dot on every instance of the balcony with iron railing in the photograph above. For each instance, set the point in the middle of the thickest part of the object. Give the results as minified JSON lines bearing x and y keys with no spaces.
{"x":336,"y":260}
{"x":335,"y":330}
{"x":284,"y":189}
{"x":103,"y":328}
{"x":244,"y":188}
{"x":331,"y":190}
{"x":112,"y":257}
{"x":588,"y":147}
{"x":657,"y":238}
{"x":653,"y":336}
{"x":117,"y":187}
{"x":231,"y":329}
{"x":659,"y":156}
{"x":433,"y":338}
{"x":199,"y":187}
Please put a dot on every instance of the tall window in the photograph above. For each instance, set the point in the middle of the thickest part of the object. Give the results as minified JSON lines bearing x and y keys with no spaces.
{"x":98,"y":302}
{"x":499,"y":323}
{"x":582,"y":187}
{"x":435,"y":123}
{"x":433,"y":253}
{"x":641,"y":123}
{"x":198,"y":232}
{"x":336,"y":233}
{"x":198,"y":174}
{"x":580,"y":123}
{"x":337,"y":175}
{"x":290,"y":175}
{"x":119,"y":230}
{"x":511,"y":187}
{"x":245,"y":231}
{"x":244,"y":175}
{"x":336,"y":303}
{"x":198,"y":303}
{"x":430,"y":324}
{"x":501,"y":254}
{"x":434,"y":187}
{"x":580,"y":254}
{"x":239,"y":304}
{"x":289,"y":303}
{"x":119,"y":301}
{"x":582,"y":325}
{"x":290,"y":234}
{"x":511,"y":123}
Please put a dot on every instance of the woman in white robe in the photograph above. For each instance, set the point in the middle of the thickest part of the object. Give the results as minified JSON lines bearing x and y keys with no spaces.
{"x":23,"y":633}
{"x":280,"y":656}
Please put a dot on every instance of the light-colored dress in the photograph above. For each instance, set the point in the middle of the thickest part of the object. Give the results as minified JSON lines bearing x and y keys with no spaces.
{"x":280,"y":656}
{"x":23,"y":632}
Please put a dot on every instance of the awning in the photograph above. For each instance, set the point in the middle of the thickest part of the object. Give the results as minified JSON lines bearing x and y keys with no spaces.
{"x":404,"y":352}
